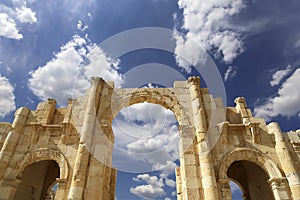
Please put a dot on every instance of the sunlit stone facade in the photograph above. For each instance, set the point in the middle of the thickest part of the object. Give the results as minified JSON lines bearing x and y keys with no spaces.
{"x":71,"y":147}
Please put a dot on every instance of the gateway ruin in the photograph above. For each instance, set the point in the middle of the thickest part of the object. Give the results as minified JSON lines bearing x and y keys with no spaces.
{"x":71,"y":148}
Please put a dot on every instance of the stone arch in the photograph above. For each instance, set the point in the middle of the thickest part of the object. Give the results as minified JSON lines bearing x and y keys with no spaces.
{"x":165,"y":97}
{"x":41,"y":155}
{"x":250,"y":155}
{"x":275,"y":180}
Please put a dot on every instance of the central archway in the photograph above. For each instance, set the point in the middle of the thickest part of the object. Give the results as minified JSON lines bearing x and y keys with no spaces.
{"x":146,"y":146}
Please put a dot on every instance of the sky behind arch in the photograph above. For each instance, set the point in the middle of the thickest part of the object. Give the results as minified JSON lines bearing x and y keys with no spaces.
{"x":47,"y":46}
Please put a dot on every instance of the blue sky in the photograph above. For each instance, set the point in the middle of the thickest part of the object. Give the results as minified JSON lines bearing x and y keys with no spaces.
{"x":52,"y":48}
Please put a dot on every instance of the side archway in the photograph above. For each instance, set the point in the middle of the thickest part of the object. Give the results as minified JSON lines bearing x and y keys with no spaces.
{"x":37,"y":171}
{"x":243,"y":164}
{"x":41,"y":155}
{"x":252,"y":156}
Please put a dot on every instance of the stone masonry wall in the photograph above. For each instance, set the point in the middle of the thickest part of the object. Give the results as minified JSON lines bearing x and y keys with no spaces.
{"x":213,"y":140}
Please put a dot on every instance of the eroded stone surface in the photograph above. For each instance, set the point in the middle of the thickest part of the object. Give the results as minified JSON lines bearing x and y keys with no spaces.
{"x":213,"y":140}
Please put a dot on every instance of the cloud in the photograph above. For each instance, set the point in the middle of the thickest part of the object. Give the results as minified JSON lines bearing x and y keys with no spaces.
{"x":285,"y":102}
{"x":234,"y":187}
{"x":230,"y":73}
{"x":147,"y":145}
{"x":153,"y":189}
{"x":207,"y":26}
{"x":8,"y":27}
{"x":147,"y":191}
{"x":279,"y":75}
{"x":152,"y":180}
{"x":170,"y":182}
{"x":167,"y":167}
{"x":12,"y":17}
{"x":146,"y":136}
{"x":7,"y":97}
{"x":149,"y":133}
{"x":26,"y":15}
{"x":152,"y":186}
{"x":68,"y":73}
{"x":81,"y":27}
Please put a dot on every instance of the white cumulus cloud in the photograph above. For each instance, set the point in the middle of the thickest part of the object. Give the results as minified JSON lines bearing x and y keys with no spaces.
{"x":285,"y":102}
{"x":153,"y":188}
{"x":279,"y":75}
{"x":207,"y":26}
{"x":148,"y":133}
{"x":147,"y":191}
{"x":151,"y":137}
{"x":68,"y":73}
{"x":170,"y":182}
{"x":8,"y":27}
{"x":13,"y":17}
{"x":26,"y":15}
{"x":7,"y":97}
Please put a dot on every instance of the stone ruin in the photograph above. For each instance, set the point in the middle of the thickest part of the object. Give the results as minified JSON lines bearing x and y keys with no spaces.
{"x":71,"y":148}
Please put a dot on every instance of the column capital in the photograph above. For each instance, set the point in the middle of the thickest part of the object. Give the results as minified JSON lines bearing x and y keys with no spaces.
{"x":11,"y":182}
{"x":275,"y":182}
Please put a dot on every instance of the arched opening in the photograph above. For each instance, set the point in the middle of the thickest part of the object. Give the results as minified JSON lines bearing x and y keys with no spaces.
{"x":50,"y":195}
{"x":237,"y":191}
{"x":146,"y":142}
{"x":37,"y":180}
{"x":252,"y":179}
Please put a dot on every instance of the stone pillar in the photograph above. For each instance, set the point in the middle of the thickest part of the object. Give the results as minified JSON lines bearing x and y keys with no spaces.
{"x":289,"y":162}
{"x":12,"y":138}
{"x":279,"y":188}
{"x":241,"y":108}
{"x":66,"y":122}
{"x":112,"y":184}
{"x":207,"y":171}
{"x":49,"y":110}
{"x":189,"y":173}
{"x":225,"y":191}
{"x":8,"y":188}
{"x":86,"y":136}
{"x":178,"y":183}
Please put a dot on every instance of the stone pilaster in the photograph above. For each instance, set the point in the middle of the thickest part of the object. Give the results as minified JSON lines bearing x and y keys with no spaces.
{"x":207,"y":172}
{"x":225,"y":191}
{"x":189,"y":174}
{"x":178,"y":183}
{"x":289,"y":163}
{"x":279,"y":188}
{"x":8,"y":188}
{"x":241,"y":108}
{"x":85,"y":143}
{"x":12,"y":138}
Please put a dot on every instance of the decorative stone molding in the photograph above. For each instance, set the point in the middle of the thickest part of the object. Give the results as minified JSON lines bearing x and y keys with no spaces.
{"x":39,"y":155}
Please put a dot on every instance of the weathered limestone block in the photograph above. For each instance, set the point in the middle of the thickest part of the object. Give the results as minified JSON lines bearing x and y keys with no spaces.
{"x":214,"y":140}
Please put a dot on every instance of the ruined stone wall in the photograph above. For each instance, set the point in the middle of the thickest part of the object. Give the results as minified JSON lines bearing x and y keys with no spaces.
{"x":213,"y":140}
{"x":229,"y":135}
{"x":52,"y":133}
